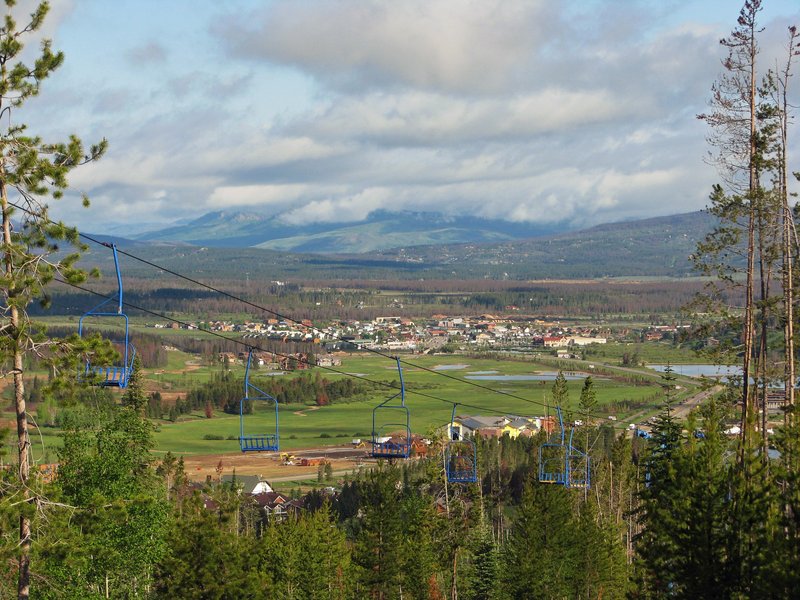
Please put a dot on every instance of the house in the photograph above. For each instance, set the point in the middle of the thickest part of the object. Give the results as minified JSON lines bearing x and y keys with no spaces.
{"x":484,"y":338}
{"x":554,"y":341}
{"x":419,"y":447}
{"x":513,"y":426}
{"x":327,"y":360}
{"x":294,"y":362}
{"x":248,"y":484}
{"x":227,"y":358}
{"x":464,"y":427}
{"x":776,"y":402}
{"x":580,"y":340}
{"x":548,"y":424}
{"x":275,"y":506}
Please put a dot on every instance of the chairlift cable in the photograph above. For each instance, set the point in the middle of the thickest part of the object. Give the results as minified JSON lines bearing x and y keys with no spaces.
{"x":292,"y":320}
{"x":325,"y":368}
{"x":294,"y":358}
{"x":297,"y":322}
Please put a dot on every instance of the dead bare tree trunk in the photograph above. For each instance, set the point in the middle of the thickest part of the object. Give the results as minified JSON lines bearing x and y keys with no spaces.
{"x":789,"y":240}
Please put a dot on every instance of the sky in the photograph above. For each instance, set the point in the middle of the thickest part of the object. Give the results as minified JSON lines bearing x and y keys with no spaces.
{"x":571,"y":112}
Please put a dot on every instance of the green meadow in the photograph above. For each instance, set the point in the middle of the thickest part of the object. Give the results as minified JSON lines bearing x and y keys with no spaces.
{"x":429,"y":398}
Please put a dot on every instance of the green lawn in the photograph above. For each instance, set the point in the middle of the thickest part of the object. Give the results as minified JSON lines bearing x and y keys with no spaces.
{"x":429,"y":398}
{"x":649,"y":352}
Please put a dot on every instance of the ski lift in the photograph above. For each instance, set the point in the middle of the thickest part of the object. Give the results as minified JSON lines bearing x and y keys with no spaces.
{"x":460,"y":455}
{"x":385,"y":441}
{"x":577,"y":465}
{"x":262,"y":442}
{"x":552,"y":457}
{"x":562,"y":463}
{"x":111,"y":375}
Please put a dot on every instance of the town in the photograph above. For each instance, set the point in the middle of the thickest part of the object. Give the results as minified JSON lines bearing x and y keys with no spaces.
{"x":436,"y":334}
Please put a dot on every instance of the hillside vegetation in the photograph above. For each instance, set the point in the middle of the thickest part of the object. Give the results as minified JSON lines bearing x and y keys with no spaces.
{"x":657,"y":247}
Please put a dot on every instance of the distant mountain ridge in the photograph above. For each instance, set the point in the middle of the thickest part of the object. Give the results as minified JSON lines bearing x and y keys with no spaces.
{"x":380,"y":231}
{"x":656,"y":247}
{"x":659,"y":246}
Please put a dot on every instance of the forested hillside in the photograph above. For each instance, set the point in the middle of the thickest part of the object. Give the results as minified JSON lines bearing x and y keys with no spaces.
{"x":656,"y":521}
{"x":658,"y":247}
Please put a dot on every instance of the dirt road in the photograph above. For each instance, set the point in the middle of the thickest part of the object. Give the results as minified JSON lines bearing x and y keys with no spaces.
{"x":268,"y":465}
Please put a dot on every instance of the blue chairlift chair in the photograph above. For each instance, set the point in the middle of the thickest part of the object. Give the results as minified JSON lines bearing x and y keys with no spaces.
{"x":460,"y":456}
{"x":577,"y":466}
{"x":562,"y":463}
{"x":385,"y":441}
{"x":553,"y":457}
{"x":111,"y":375}
{"x":260,"y":442}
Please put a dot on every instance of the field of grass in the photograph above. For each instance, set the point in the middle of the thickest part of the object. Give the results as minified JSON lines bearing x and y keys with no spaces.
{"x":429,"y":398}
{"x":650,"y":352}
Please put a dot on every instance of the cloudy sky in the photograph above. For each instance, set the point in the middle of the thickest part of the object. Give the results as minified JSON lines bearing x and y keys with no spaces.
{"x":577,"y":111}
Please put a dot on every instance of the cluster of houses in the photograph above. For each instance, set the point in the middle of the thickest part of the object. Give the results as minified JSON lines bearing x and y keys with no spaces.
{"x":512,"y":426}
{"x":271,"y":361}
{"x":271,"y":505}
{"x":402,"y":333}
{"x":467,"y":427}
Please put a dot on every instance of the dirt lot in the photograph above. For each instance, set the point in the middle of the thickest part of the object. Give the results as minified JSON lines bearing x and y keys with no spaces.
{"x":268,"y":464}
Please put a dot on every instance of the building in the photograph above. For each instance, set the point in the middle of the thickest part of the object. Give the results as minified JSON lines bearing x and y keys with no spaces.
{"x":513,"y":426}
{"x":274,"y":506}
{"x":248,"y":484}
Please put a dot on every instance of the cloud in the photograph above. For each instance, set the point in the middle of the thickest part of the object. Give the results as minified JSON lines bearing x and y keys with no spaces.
{"x":256,"y":195}
{"x":430,"y":119}
{"x":345,"y":208}
{"x":148,"y":54}
{"x":475,"y":45}
{"x":538,"y":111}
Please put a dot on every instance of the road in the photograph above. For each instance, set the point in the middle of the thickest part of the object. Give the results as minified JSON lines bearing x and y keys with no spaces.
{"x":684,"y":408}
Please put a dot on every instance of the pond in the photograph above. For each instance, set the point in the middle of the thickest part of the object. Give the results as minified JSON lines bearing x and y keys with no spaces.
{"x":721,"y":372}
{"x":700,"y":370}
{"x":544,"y":376}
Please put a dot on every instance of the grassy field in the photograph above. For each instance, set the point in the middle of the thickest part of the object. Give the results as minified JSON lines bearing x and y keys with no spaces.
{"x":650,"y":352}
{"x":429,"y":398}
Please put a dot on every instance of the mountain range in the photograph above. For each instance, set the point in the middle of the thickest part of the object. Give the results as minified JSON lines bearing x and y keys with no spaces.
{"x":380,"y":231}
{"x":656,"y":247}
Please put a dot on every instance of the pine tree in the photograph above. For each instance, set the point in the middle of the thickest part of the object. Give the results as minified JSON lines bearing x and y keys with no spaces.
{"x":661,"y":509}
{"x":378,"y":547}
{"x":704,"y":567}
{"x":540,"y":556}
{"x":417,"y":554}
{"x":205,"y":561}
{"x":560,"y":391}
{"x":588,"y":400}
{"x":600,"y":557}
{"x":484,"y":570}
{"x":30,"y":169}
{"x":134,"y":395}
